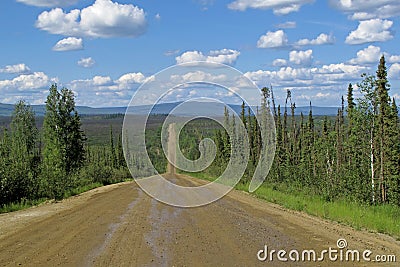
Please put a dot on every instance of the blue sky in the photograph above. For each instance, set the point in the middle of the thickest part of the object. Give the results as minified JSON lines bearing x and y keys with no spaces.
{"x":103,"y":49}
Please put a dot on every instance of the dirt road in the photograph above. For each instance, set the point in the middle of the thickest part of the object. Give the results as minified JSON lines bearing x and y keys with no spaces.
{"x":119,"y":225}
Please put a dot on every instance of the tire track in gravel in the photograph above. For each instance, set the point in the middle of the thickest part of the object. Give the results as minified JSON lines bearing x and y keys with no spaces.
{"x":123,"y":226}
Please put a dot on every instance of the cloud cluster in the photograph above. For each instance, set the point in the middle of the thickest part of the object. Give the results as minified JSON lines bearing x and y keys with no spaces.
{"x":198,"y":76}
{"x":322,"y":39}
{"x":368,"y":55}
{"x":279,"y":7}
{"x":325,"y":77}
{"x":363,"y":10}
{"x":279,"y":39}
{"x":105,"y":91}
{"x":394,"y":71}
{"x":373,"y":30}
{"x":371,"y":55}
{"x":69,"y":44}
{"x":99,"y":83}
{"x":223,"y":56}
{"x":26,"y":82}
{"x":103,"y":19}
{"x":16,"y":69}
{"x":275,"y":39}
{"x":301,"y":57}
{"x":279,"y":62}
{"x":86,"y":62}
{"x":97,"y":91}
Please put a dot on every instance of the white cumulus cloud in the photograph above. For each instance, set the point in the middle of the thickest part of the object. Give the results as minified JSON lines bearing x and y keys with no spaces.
{"x":86,"y":62}
{"x":16,"y":69}
{"x":32,"y":81}
{"x":363,"y":10}
{"x":368,"y":55}
{"x":306,"y":83}
{"x":106,"y":91}
{"x":373,"y":30}
{"x":126,"y":80}
{"x":394,"y":71}
{"x":104,"y":18}
{"x":102,"y":80}
{"x":279,"y":7}
{"x":106,"y":83}
{"x":322,"y":39}
{"x":393,"y":58}
{"x":198,"y":76}
{"x":273,"y":40}
{"x":301,"y":57}
{"x":69,"y":44}
{"x":279,"y":62}
{"x":223,"y":56}
{"x":190,"y":56}
{"x":371,"y":55}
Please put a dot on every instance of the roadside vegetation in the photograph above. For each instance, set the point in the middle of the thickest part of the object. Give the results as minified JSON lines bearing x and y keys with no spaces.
{"x":375,"y":218}
{"x":56,"y":161}
{"x":344,"y":168}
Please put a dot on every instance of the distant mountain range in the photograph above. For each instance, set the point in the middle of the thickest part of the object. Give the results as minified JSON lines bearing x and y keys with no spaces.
{"x":194,"y":108}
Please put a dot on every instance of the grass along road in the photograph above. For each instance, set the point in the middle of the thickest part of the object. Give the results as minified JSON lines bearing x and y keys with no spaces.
{"x":119,"y":225}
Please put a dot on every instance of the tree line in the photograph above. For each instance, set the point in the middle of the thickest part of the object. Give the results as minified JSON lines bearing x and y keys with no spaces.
{"x":354,"y":155}
{"x":56,"y":160}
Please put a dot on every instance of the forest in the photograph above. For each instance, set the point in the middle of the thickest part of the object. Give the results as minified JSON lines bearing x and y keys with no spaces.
{"x":57,"y":161}
{"x":354,"y":156}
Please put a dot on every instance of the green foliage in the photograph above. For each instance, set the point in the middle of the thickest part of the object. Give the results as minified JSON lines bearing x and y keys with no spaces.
{"x":63,"y":142}
{"x":56,"y":163}
{"x":383,"y":219}
{"x":21,"y":204}
{"x":19,"y":159}
{"x":354,"y":156}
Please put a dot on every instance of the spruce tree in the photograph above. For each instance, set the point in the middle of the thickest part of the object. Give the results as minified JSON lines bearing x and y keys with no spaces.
{"x":243,"y":114}
{"x":113,"y":157}
{"x":393,"y":155}
{"x":383,"y":102}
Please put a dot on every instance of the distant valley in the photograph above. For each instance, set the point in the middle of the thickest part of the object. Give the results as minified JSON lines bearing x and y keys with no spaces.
{"x":196,"y":108}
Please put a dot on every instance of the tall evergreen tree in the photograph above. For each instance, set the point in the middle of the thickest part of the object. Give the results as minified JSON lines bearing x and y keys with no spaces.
{"x":383,"y":102}
{"x":350,"y":98}
{"x":113,"y":157}
{"x":393,"y":155}
{"x":120,"y":153}
{"x":243,"y":114}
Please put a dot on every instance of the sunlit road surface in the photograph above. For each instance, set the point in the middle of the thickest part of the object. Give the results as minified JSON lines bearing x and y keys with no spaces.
{"x":120,"y":225}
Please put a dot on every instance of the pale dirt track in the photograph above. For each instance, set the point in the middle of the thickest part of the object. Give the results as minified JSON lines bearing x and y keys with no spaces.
{"x":120,"y":225}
